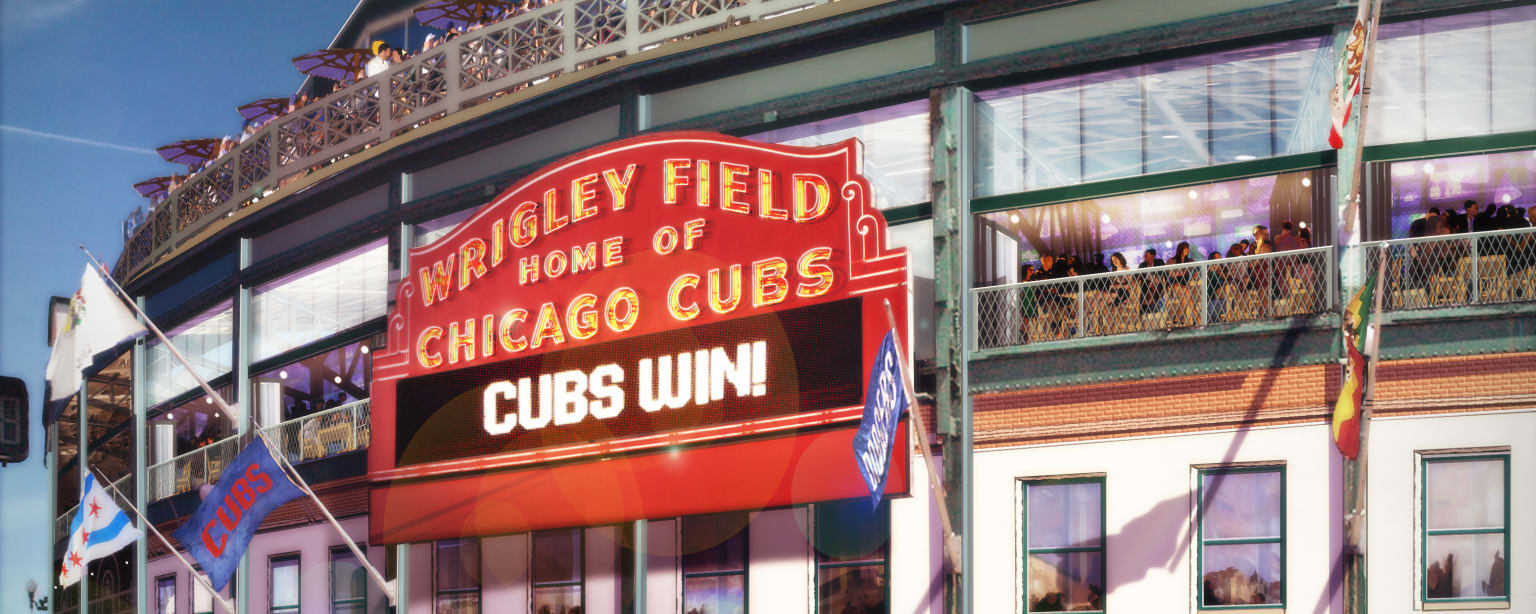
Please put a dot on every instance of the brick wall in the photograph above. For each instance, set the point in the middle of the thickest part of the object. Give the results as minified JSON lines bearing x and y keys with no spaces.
{"x":1261,"y":397}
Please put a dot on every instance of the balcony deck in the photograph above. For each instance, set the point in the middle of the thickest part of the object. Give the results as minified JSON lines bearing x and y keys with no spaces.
{"x":477,"y":73}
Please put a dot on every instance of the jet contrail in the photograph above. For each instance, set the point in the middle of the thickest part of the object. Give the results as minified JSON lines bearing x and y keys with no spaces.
{"x":76,"y":140}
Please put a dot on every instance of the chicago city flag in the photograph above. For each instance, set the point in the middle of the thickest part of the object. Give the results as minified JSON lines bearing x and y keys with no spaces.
{"x":99,"y":328}
{"x":99,"y":528}
{"x":1346,"y":413}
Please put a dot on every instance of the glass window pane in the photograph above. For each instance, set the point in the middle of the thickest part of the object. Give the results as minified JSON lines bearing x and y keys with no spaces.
{"x":165,"y":595}
{"x":896,"y":156}
{"x":1111,"y":125}
{"x":1241,"y":574}
{"x":1176,"y":114}
{"x":1241,"y":126}
{"x":715,"y":594}
{"x":207,"y":342}
{"x":348,"y":579}
{"x":431,"y":230}
{"x":1462,"y":566}
{"x":1456,"y":69}
{"x":202,"y":600}
{"x":1065,"y":515}
{"x":457,"y":603}
{"x":858,"y":588}
{"x":1397,"y":88}
{"x":1513,"y":45}
{"x":1052,"y":126}
{"x":557,"y":556}
{"x":323,"y":381}
{"x":321,"y":300}
{"x":998,"y":147}
{"x":1303,"y":77}
{"x":1241,"y":505}
{"x":1064,"y":582}
{"x":557,"y":599}
{"x":851,"y":530}
{"x":458,"y":565}
{"x":1464,"y":494}
{"x":715,"y":543}
{"x":284,"y":585}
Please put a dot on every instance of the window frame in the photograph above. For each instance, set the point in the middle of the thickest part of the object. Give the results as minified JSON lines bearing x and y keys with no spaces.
{"x":746,"y":559}
{"x":331,"y":570}
{"x":581,"y":548}
{"x":1200,"y":541}
{"x":173,"y":577}
{"x":479,"y":585}
{"x":1025,"y":550}
{"x":817,"y":565}
{"x":1425,"y":532}
{"x":296,"y":557}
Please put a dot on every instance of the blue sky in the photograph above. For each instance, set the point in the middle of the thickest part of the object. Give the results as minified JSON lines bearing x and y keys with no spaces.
{"x":91,"y":87}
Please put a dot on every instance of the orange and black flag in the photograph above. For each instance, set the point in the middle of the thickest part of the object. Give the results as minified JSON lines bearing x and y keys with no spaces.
{"x":1346,"y":413}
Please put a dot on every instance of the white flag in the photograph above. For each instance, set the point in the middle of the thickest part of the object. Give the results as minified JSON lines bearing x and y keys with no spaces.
{"x":98,"y":324}
{"x":98,"y":529}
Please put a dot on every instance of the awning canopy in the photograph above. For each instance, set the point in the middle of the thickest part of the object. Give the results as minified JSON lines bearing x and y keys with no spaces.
{"x":333,"y":64}
{"x":190,"y":152}
{"x":444,"y":14}
{"x":264,"y":109}
{"x":157,"y":187}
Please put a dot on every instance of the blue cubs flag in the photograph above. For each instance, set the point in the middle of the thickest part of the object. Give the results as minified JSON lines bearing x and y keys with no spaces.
{"x":884,"y":402}
{"x":218,"y":532}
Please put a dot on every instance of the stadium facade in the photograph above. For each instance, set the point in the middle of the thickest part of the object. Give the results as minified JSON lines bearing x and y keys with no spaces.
{"x":1149,"y":440}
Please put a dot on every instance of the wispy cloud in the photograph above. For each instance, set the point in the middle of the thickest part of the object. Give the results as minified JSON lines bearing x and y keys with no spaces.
{"x":23,"y":17}
{"x":76,"y":140}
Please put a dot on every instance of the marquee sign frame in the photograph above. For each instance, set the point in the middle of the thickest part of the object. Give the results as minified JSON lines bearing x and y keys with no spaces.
{"x":651,"y":234}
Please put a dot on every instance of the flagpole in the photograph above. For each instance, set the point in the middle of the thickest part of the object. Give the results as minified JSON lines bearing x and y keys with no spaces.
{"x":208,"y":584}
{"x":951,"y":541}
{"x":281,"y":459}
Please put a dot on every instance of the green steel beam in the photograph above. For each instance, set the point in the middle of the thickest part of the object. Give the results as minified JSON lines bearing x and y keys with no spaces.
{"x":140,"y":475}
{"x":82,"y":452}
{"x":247,"y":409}
{"x":949,"y":125}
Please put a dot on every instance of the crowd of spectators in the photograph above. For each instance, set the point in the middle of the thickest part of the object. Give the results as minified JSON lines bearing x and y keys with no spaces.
{"x":1058,"y":266}
{"x":1471,"y":219}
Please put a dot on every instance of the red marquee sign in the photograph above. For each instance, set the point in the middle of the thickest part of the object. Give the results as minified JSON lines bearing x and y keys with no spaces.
{"x":674,"y":324}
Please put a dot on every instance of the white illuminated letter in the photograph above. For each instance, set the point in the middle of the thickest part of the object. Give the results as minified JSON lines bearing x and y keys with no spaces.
{"x":570,"y":397}
{"x":605,"y":388}
{"x":739,"y":371}
{"x":495,"y":423}
{"x":656,"y":385}
{"x":525,"y":404}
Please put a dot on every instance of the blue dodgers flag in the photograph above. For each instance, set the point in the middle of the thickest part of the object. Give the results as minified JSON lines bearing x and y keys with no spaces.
{"x":218,"y":532}
{"x":884,"y":402}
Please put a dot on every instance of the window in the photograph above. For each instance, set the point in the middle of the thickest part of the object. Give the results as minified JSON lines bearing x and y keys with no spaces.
{"x":851,"y":542}
{"x":456,"y":577}
{"x":165,"y":594}
{"x":320,"y":301}
{"x":1504,"y":179}
{"x":1241,"y":532}
{"x":326,"y":380}
{"x":896,"y":156}
{"x":349,"y":583}
{"x":1232,"y":106}
{"x":434,"y":229}
{"x":11,"y":417}
{"x":714,"y":553}
{"x":207,"y":340}
{"x":557,"y":571}
{"x":1460,"y":75}
{"x":1465,"y":540}
{"x":1064,"y":545}
{"x":202,"y":600}
{"x":283,"y":583}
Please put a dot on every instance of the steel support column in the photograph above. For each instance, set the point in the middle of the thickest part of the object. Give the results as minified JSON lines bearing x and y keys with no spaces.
{"x":140,"y":478}
{"x":950,"y":112}
{"x":641,"y":546}
{"x":82,"y":456}
{"x":244,"y":421}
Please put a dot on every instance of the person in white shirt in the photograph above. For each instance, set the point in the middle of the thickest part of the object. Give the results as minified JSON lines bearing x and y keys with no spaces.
{"x":380,"y":60}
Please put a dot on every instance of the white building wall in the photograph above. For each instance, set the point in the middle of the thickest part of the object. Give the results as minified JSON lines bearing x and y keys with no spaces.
{"x":1393,"y":487}
{"x":916,"y":564}
{"x":779,"y":568}
{"x":663,"y":579}
{"x":1149,"y":505}
{"x":601,"y":585}
{"x":504,"y":574}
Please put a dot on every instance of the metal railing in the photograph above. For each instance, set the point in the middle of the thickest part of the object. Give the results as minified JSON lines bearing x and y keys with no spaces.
{"x":189,"y":471}
{"x":315,"y":436}
{"x":61,"y":524}
{"x":1481,"y":268}
{"x":1250,"y":288}
{"x":319,"y":435}
{"x":562,"y":37}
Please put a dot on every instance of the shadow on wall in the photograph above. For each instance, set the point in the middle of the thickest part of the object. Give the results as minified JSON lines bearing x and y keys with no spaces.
{"x":1172,"y":517}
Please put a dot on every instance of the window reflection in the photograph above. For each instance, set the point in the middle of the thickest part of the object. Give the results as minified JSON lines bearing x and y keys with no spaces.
{"x":715,"y":564}
{"x":1465,"y":528}
{"x":896,"y":155}
{"x":1241,"y":545}
{"x":557,"y":571}
{"x":456,"y":577}
{"x":1232,"y":106}
{"x":206,"y":340}
{"x":1064,"y":541}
